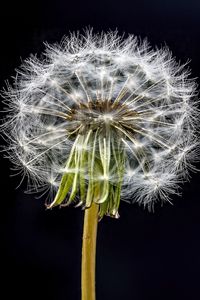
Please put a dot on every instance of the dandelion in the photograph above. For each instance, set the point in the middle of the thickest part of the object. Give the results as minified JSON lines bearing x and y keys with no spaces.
{"x":98,"y":119}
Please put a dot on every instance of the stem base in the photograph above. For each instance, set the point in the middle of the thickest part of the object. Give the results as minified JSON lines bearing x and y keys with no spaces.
{"x":89,"y":252}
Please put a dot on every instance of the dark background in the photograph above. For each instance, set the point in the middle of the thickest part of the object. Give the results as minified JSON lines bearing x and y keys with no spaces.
{"x":141,"y":256}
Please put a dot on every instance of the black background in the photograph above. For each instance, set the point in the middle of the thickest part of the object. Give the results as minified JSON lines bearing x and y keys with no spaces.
{"x":141,"y":256}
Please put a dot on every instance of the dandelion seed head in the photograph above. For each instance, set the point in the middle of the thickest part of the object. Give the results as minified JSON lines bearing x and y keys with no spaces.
{"x":105,"y":117}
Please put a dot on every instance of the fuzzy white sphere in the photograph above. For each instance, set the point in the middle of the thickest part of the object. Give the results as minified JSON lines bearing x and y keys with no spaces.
{"x":100,"y":94}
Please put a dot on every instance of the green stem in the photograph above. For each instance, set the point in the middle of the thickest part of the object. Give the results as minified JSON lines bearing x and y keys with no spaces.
{"x":89,"y":252}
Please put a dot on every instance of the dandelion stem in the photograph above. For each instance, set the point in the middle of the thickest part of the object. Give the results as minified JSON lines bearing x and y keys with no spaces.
{"x":89,"y":252}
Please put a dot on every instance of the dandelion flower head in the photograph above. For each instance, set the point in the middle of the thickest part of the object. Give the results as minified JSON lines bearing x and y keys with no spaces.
{"x":101,"y":118}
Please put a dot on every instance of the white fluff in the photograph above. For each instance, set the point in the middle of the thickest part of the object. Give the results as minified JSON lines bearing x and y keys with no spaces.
{"x":104,"y":67}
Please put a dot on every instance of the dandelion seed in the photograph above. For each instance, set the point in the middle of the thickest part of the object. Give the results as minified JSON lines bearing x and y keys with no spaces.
{"x":108,"y":117}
